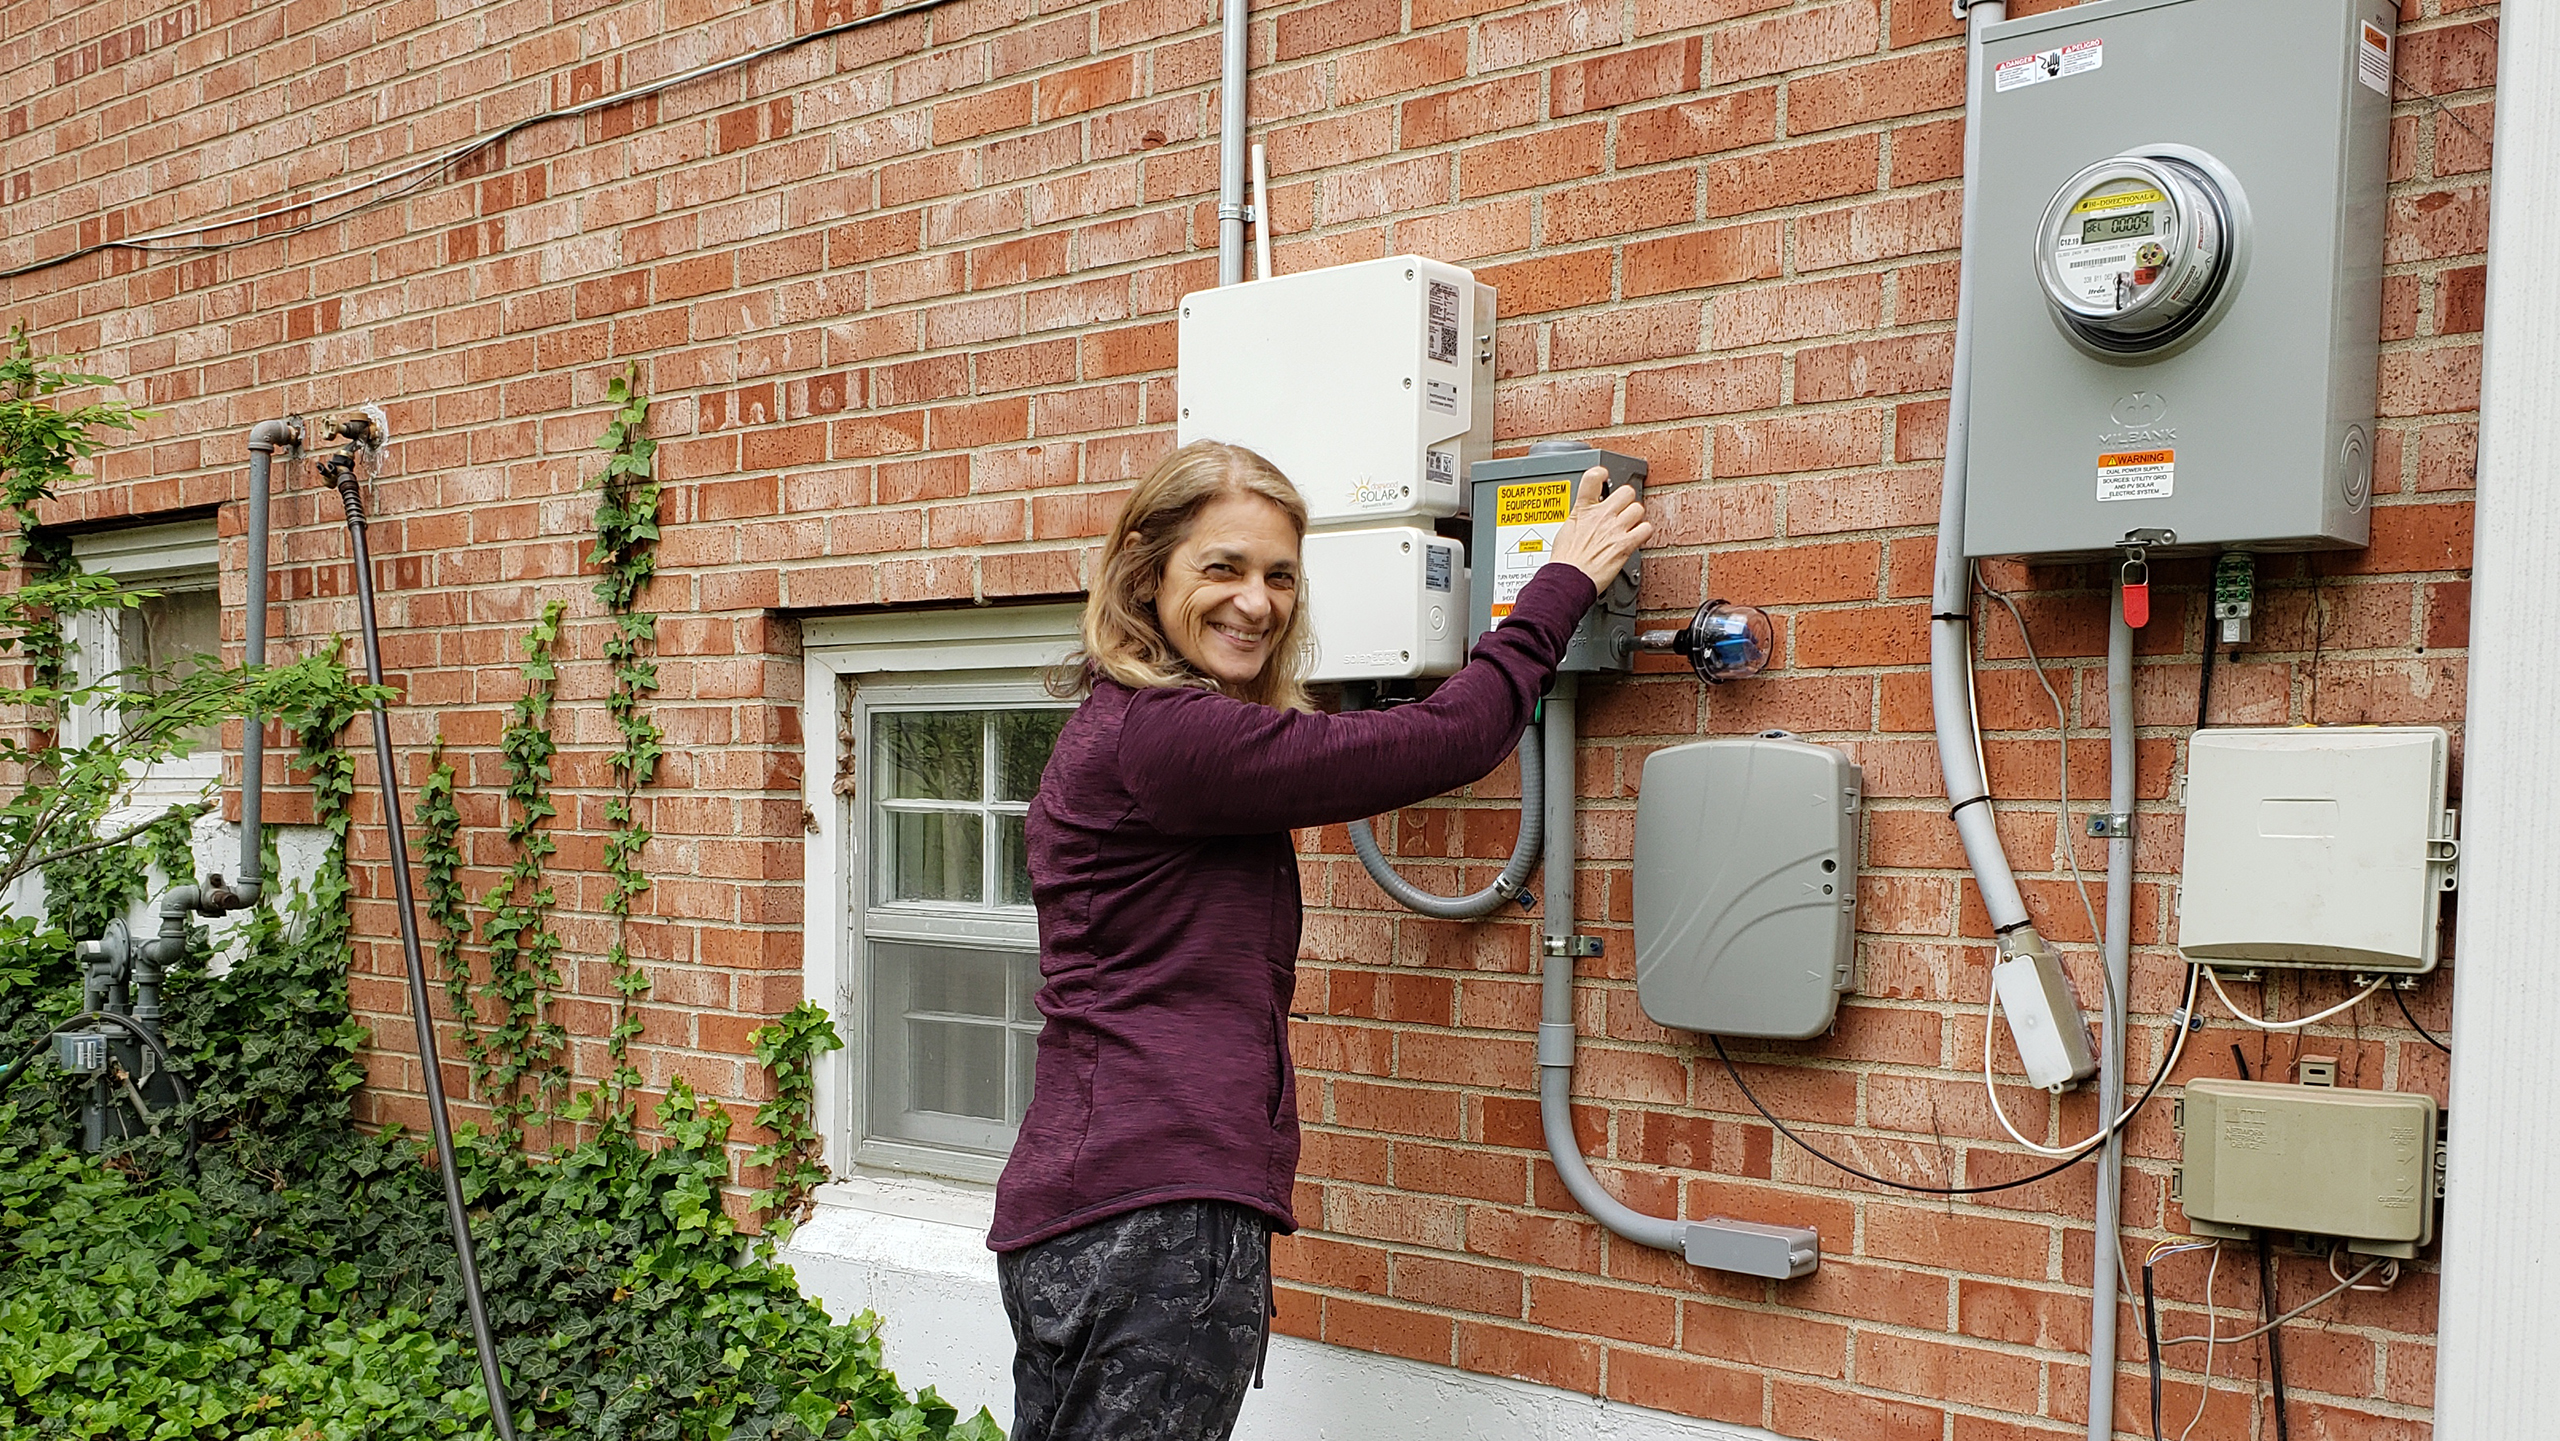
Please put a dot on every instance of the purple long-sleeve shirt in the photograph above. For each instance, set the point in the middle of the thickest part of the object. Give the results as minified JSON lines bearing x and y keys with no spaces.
{"x":1167,"y":891}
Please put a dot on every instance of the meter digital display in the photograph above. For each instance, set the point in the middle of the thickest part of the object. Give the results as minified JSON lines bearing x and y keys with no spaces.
{"x":2114,"y":227}
{"x":2134,"y":250}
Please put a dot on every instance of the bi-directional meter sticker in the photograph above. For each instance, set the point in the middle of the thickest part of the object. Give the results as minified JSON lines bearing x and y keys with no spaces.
{"x":1526,"y":517}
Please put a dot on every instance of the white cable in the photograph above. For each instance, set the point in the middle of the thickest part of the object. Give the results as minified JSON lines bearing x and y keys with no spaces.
{"x":2062,"y":746}
{"x":1991,"y":1091}
{"x":2295,"y":1314}
{"x":2204,"y":1393}
{"x":2349,"y":1004}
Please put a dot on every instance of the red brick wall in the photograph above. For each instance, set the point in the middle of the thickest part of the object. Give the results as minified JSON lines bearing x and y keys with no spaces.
{"x":905,"y":300}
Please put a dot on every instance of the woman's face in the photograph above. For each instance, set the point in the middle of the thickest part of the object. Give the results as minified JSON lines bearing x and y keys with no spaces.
{"x":1230,"y":587}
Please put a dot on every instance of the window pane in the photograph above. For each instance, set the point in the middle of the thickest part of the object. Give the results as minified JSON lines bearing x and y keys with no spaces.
{"x":1024,"y":739}
{"x":932,"y":856}
{"x":956,"y":1069}
{"x":931,"y":755}
{"x":960,"y":982}
{"x":1013,"y":862}
{"x":160,"y":640}
{"x":938,"y":1075}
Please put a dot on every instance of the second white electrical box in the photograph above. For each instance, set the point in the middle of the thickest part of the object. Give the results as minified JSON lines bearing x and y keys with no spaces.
{"x":1369,"y":385}
{"x":1388,"y":603}
{"x":2316,"y":846}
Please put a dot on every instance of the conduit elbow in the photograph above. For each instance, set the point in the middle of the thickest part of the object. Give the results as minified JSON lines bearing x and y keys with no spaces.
{"x":271,"y":434}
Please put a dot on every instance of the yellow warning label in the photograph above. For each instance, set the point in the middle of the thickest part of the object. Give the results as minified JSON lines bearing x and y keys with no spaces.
{"x":2115,"y":458}
{"x":2119,"y":200}
{"x":1538,"y":502}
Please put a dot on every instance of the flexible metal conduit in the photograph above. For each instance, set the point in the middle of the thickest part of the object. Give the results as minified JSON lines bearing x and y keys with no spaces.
{"x":1515,"y":872}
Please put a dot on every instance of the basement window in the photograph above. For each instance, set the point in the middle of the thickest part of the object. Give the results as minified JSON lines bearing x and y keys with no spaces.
{"x":165,"y":636}
{"x":942,"y":730}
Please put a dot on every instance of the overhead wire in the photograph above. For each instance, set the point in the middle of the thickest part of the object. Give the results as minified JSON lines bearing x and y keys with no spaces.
{"x":421,"y":173}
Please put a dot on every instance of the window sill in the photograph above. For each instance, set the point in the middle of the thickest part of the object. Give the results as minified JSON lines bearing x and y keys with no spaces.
{"x":917,"y":1198}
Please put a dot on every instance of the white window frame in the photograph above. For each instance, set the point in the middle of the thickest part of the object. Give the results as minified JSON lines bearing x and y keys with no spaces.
{"x":958,"y":659}
{"x":172,"y":557}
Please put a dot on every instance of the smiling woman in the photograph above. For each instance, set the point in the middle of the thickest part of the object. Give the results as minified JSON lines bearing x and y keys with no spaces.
{"x":1133,"y":1222}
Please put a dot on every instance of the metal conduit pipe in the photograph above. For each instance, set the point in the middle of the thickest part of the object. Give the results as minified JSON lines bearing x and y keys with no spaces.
{"x":2119,"y":952}
{"x":1515,"y":872}
{"x":264,"y":439}
{"x":1959,"y":755}
{"x":1231,"y":98}
{"x":1555,"y":999}
{"x":1775,"y":1252}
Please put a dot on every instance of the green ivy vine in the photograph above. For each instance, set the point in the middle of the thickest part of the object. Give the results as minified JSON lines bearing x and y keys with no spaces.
{"x":439,"y":823}
{"x":525,"y":1042}
{"x":788,"y":1049}
{"x":627,"y":550}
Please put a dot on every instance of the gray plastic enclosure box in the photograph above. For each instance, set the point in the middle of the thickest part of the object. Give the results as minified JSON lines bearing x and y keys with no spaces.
{"x":2266,"y":410}
{"x":2317,"y":1160}
{"x":1517,"y":503}
{"x":1746,"y":886}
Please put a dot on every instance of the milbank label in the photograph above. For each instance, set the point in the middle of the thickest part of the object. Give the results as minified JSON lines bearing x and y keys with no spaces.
{"x":1526,"y":517}
{"x":2137,"y":474}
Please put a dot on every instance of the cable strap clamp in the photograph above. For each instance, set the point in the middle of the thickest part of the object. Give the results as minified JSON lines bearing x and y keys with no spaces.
{"x":1983,"y":799}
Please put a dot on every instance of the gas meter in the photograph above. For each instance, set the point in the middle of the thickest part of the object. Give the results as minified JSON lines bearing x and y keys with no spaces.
{"x":2136,"y":249}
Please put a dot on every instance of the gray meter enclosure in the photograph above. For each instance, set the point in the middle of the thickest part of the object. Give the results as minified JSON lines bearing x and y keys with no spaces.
{"x":1517,"y":503}
{"x":2253,"y":426}
{"x":1746,"y":886}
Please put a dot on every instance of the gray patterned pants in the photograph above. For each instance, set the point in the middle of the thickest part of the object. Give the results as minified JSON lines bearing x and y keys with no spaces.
{"x":1149,"y":1326}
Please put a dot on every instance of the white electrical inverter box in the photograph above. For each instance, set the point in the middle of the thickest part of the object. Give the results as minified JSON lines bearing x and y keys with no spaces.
{"x":1388,"y":603}
{"x":1369,"y":385}
{"x":2315,"y":846}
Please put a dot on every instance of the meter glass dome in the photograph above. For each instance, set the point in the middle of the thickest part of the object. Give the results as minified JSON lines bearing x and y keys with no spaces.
{"x":2133,"y":250}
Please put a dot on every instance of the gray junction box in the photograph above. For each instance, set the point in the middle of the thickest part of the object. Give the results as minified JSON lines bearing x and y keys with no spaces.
{"x":1746,"y":885}
{"x":2178,"y":273}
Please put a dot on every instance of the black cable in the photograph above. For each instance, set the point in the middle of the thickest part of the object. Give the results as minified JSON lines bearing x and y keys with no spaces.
{"x":2151,"y":1335}
{"x":2403,"y":1002}
{"x":2204,"y":683}
{"x":2275,"y":1333}
{"x":342,"y":470}
{"x":2057,"y":1168}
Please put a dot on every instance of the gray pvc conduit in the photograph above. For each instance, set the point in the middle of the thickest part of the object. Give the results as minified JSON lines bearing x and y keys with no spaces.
{"x":1231,"y":98}
{"x":1555,"y":1000}
{"x":1959,"y":758}
{"x":1515,"y":872}
{"x":2119,"y":952}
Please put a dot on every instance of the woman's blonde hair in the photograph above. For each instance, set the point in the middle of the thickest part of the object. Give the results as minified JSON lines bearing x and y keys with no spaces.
{"x":1122,"y":638}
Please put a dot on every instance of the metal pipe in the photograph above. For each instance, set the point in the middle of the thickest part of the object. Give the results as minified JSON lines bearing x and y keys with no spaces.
{"x":264,"y":438}
{"x":456,"y":1215}
{"x":2119,"y":951}
{"x":1231,"y":98}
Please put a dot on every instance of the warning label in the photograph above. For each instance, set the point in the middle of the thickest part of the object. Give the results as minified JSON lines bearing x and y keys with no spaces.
{"x":1441,"y":396}
{"x":1526,"y":517}
{"x":2373,"y":58}
{"x":2137,"y":474}
{"x":2074,"y":59}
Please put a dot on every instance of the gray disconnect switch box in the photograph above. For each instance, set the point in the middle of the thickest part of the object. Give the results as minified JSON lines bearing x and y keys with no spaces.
{"x":1518,"y":503}
{"x":2177,"y":273}
{"x":2361,"y":1166}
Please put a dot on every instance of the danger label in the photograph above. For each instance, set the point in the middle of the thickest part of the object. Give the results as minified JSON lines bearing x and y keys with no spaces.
{"x":2373,"y":58}
{"x":1526,"y":517}
{"x":2137,"y":474}
{"x":2074,"y":59}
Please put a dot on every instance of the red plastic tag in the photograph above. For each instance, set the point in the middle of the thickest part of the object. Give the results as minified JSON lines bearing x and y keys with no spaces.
{"x":2137,"y":604}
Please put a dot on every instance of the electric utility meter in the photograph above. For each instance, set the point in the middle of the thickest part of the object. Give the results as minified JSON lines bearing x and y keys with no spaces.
{"x":2175,"y":276}
{"x":2134,"y":250}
